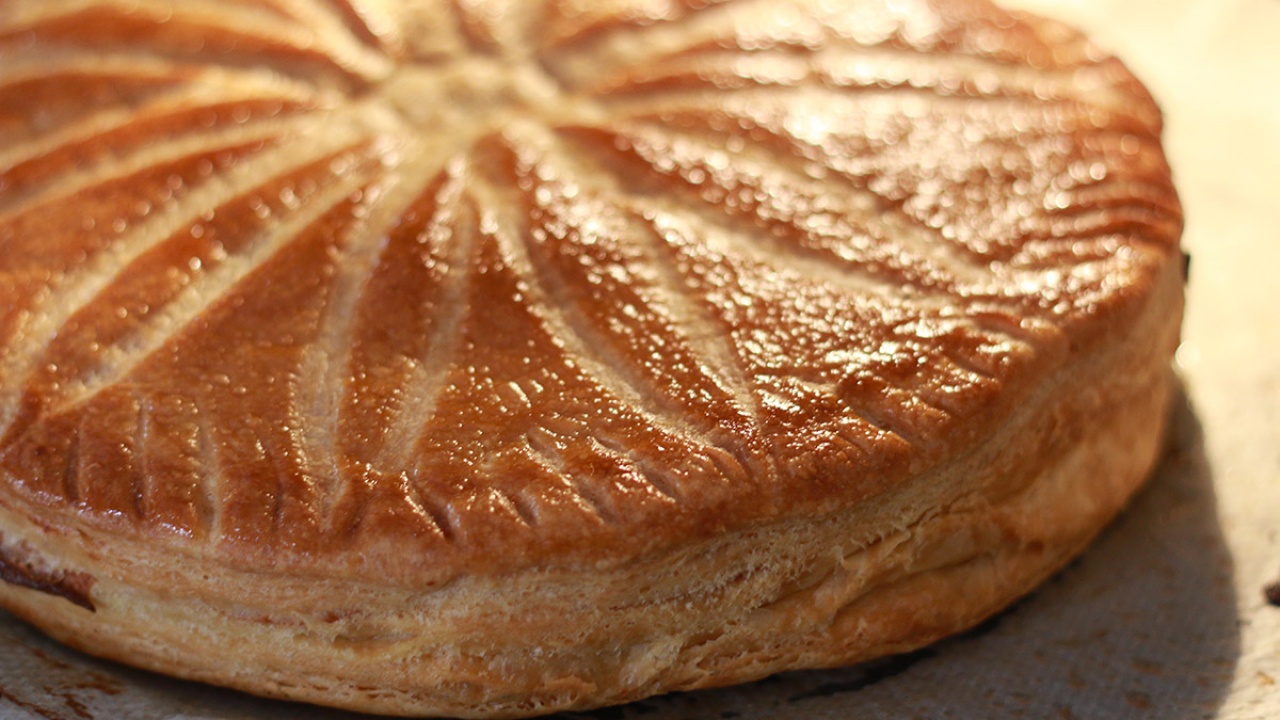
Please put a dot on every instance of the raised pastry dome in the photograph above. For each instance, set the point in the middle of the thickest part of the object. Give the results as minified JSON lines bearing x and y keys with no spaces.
{"x":495,"y":358}
{"x":404,"y":289}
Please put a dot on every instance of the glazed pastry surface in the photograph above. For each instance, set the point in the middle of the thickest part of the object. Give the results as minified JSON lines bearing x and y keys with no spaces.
{"x":366,"y":296}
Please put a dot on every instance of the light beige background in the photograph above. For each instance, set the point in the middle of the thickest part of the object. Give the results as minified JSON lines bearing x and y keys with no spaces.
{"x":1164,"y":617}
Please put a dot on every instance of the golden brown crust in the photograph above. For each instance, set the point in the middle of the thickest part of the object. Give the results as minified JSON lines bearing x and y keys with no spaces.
{"x":360,"y":309}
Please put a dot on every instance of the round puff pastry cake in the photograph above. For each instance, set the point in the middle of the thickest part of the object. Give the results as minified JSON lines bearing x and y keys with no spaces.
{"x":496,"y":357}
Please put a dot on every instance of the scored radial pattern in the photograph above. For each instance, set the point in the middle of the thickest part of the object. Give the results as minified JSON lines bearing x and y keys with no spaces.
{"x":313,"y":275}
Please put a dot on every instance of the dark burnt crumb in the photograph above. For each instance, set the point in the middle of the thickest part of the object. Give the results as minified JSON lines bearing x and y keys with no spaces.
{"x":19,"y":566}
{"x":1272,"y":592}
{"x":33,"y":708}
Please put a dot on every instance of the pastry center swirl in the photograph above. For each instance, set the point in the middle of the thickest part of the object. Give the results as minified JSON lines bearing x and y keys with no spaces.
{"x":472,"y":95}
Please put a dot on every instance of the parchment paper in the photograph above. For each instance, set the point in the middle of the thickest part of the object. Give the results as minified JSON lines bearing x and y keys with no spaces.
{"x":1165,"y":616}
